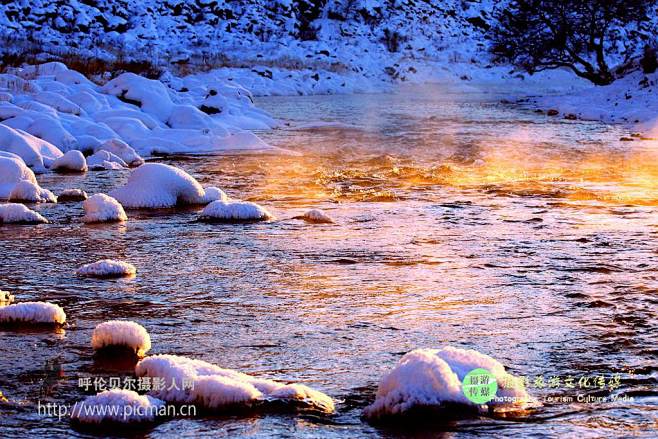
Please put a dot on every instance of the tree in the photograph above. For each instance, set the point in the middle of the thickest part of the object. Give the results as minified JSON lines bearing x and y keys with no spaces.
{"x":581,"y":35}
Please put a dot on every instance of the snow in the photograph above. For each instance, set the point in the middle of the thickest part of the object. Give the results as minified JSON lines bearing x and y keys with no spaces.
{"x":121,"y":333}
{"x":317,"y":216}
{"x":26,"y":190}
{"x":107,"y":268}
{"x":46,"y":114}
{"x":433,"y":378}
{"x":69,"y":195}
{"x":12,"y":171}
{"x":19,"y":214}
{"x":103,"y":208}
{"x":71,"y":161}
{"x":33,"y":312}
{"x":234,"y":211}
{"x":216,"y":388}
{"x":156,"y":185}
{"x":117,"y":406}
{"x":105,"y":160}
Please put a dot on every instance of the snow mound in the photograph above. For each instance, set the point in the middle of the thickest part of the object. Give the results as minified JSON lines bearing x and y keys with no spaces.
{"x":156,"y":185}
{"x":121,"y":149}
{"x":117,"y":406}
{"x":433,"y":378}
{"x":36,"y":153}
{"x":103,"y":208}
{"x":33,"y":312}
{"x":105,"y":160}
{"x":317,"y":216}
{"x":234,"y":211}
{"x":72,"y":161}
{"x":72,"y":195}
{"x":28,"y":191}
{"x":215,"y":388}
{"x":121,"y":333}
{"x":107,"y":268}
{"x":19,"y":214}
{"x":6,"y":298}
{"x":12,"y":171}
{"x":213,"y":194}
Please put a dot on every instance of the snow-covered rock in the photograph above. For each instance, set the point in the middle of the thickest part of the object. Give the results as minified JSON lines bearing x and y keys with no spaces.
{"x":119,"y":148}
{"x":36,"y":153}
{"x":316,"y":216}
{"x":33,"y":312}
{"x":117,"y":406}
{"x":156,"y":185}
{"x":432,"y":378}
{"x":19,"y":214}
{"x":121,"y":333}
{"x":101,"y":208}
{"x":215,"y":388}
{"x":12,"y":171}
{"x":107,"y":268}
{"x":105,"y":160}
{"x":71,"y":161}
{"x":69,"y":195}
{"x":234,"y":211}
{"x":31,"y":192}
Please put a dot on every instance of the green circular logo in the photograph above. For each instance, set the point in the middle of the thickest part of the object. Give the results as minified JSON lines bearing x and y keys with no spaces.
{"x":479,"y":386}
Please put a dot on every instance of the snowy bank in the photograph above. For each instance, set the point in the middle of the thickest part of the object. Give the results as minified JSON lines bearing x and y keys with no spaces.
{"x":215,"y":389}
{"x":19,"y":214}
{"x":107,"y":268}
{"x":12,"y":171}
{"x":48,"y":111}
{"x":101,"y":208}
{"x":117,"y":406}
{"x":234,"y":211}
{"x":156,"y":185}
{"x":119,"y":333}
{"x":40,"y":313}
{"x":432,"y":378}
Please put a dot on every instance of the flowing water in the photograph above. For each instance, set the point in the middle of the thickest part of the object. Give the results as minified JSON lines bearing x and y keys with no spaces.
{"x":459,"y":221}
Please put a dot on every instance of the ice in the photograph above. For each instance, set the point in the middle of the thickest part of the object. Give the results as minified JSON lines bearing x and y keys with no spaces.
{"x":103,"y":208}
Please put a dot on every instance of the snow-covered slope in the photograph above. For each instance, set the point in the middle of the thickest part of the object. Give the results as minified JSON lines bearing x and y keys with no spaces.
{"x":332,"y":45}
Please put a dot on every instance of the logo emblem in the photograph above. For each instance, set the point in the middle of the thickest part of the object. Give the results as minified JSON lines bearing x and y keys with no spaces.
{"x":479,"y":386}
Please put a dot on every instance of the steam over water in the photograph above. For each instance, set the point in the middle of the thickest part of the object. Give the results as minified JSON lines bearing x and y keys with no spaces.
{"x":458,"y":221}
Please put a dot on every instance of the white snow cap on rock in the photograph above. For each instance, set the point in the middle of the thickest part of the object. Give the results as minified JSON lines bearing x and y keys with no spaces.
{"x":103,"y":208}
{"x":156,"y":185}
{"x":317,"y":216}
{"x":216,"y":388}
{"x":433,"y":377}
{"x":107,"y":268}
{"x":19,"y":214}
{"x":235,"y":211}
{"x":72,"y":195}
{"x":12,"y":171}
{"x":72,"y":161}
{"x":33,"y":312}
{"x":117,"y":406}
{"x":121,"y":333}
{"x":26,"y":190}
{"x":105,"y":160}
